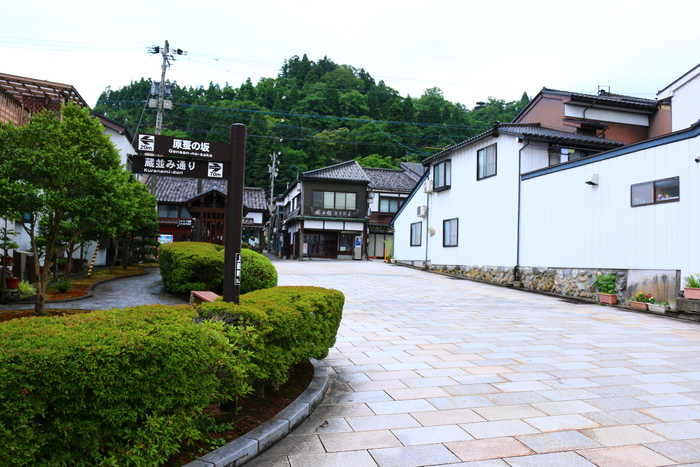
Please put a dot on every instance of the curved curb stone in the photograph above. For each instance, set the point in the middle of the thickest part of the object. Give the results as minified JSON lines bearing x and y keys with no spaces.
{"x":243,"y":449}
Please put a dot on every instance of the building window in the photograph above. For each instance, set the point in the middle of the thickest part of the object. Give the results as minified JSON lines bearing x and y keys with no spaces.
{"x":442,"y":175}
{"x":559,"y":155}
{"x":450,"y":229}
{"x":416,"y":229}
{"x":390,"y":205}
{"x":486,"y":162}
{"x":334,"y":200}
{"x":168,"y":210}
{"x":658,"y":191}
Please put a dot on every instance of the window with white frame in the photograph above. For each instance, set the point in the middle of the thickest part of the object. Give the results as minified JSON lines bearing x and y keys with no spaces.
{"x":666,"y":190}
{"x":450,"y":230}
{"x":442,"y":175}
{"x":416,"y":230}
{"x":486,"y":162}
{"x":334,"y":200}
{"x":390,"y":205}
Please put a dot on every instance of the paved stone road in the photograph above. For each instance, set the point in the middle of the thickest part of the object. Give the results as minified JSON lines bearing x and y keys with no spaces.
{"x":432,"y":370}
{"x":120,"y":293}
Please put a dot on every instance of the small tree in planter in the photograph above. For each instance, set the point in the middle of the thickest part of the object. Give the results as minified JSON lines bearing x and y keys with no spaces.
{"x":605,"y":284}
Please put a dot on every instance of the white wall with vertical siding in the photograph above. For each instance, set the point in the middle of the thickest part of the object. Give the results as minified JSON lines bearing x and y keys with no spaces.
{"x":567,"y":223}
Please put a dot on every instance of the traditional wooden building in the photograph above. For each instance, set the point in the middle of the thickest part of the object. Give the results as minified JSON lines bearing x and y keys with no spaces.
{"x":191,"y":209}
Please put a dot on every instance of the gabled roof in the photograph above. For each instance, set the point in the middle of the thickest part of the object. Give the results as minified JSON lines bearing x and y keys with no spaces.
{"x":180,"y":190}
{"x":35,"y":94}
{"x":389,"y":180}
{"x":349,"y":171}
{"x":671,"y":88}
{"x":533,"y":131}
{"x":604,"y":97}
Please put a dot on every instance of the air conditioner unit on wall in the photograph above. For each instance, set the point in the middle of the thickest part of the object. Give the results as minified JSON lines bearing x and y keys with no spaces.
{"x":422,"y":211}
{"x":428,"y":186}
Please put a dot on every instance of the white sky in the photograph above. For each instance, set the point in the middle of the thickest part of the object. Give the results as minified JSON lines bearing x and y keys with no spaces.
{"x":469,"y":49}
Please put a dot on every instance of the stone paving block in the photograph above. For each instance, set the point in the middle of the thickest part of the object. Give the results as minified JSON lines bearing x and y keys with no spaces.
{"x":356,"y":397}
{"x":558,"y":441}
{"x":332,"y":459}
{"x":557,"y":459}
{"x":679,"y":451}
{"x":483,"y":449}
{"x":459,"y":402}
{"x":619,"y":417}
{"x":416,"y":393}
{"x":561,"y":422}
{"x":499,"y":428}
{"x":628,"y":456}
{"x":514,"y":398}
{"x":666,"y":400}
{"x":355,"y":441}
{"x":385,"y":408}
{"x":412,"y":456}
{"x":672,"y":414}
{"x":673,"y":431}
{"x":508,"y":412}
{"x":622,"y":435}
{"x":566,"y":407}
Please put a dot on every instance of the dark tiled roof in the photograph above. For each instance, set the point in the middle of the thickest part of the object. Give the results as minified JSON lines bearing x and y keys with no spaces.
{"x":180,"y":190}
{"x":413,"y":170}
{"x":536,"y":131}
{"x":389,"y":179}
{"x":345,"y":171}
{"x":605,"y":97}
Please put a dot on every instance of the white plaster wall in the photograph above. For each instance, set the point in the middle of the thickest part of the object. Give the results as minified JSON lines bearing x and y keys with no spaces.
{"x":685,"y":106}
{"x":606,"y":115}
{"x":403,"y":251}
{"x":486,"y":209}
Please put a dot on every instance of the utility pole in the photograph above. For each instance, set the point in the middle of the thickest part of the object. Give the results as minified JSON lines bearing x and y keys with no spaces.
{"x":165,"y":52}
{"x":273,"y":173}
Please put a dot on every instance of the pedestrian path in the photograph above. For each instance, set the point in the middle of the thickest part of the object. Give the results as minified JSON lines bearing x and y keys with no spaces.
{"x":119,"y":293}
{"x":430,"y":370}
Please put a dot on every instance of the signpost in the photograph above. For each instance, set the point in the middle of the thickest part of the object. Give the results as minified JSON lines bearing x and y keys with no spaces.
{"x":178,"y":157}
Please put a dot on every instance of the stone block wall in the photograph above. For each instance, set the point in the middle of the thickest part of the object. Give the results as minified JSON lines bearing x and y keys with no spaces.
{"x":561,"y":281}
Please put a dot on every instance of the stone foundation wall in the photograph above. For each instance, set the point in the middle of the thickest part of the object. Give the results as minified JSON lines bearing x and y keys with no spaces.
{"x":561,"y":281}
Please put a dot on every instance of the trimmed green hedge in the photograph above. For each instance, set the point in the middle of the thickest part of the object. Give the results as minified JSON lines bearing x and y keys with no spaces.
{"x":117,"y":387}
{"x":188,"y":266}
{"x":293,"y":324}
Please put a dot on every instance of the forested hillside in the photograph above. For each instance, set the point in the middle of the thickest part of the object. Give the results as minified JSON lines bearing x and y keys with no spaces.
{"x":314,"y":114}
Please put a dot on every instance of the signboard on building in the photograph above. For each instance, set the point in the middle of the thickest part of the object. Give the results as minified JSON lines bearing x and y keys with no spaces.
{"x":181,"y":147}
{"x":191,"y":168}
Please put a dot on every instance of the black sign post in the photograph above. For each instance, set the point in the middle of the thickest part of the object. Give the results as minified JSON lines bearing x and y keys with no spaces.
{"x":234,"y":215}
{"x":203,"y":159}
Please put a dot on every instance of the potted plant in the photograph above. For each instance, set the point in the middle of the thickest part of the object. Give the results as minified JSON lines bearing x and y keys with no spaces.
{"x":12,"y":282}
{"x":672,"y":304}
{"x":691,"y":287}
{"x":7,"y":243}
{"x":641,"y":301}
{"x":657,"y":307}
{"x":605,"y":284}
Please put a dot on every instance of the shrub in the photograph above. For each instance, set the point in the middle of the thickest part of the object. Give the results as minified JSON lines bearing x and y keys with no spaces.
{"x":26,"y":289}
{"x":188,"y":266}
{"x":293,"y":324}
{"x":257,"y":272}
{"x":117,"y":387}
{"x":62,"y":285}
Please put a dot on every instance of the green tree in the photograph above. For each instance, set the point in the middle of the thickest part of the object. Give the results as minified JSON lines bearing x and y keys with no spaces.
{"x":57,"y":167}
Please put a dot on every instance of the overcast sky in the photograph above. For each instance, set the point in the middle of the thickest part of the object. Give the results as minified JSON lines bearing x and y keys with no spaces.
{"x":471,"y":50}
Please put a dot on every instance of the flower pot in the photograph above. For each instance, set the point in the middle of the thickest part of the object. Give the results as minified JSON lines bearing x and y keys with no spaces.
{"x":609,"y":298}
{"x":692,"y":293}
{"x":12,"y":282}
{"x":673,"y":306}
{"x":7,"y":260}
{"x":656,"y":308}
{"x":638,"y":305}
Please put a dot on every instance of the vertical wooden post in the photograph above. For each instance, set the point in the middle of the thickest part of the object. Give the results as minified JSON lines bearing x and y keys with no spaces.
{"x":234,"y":214}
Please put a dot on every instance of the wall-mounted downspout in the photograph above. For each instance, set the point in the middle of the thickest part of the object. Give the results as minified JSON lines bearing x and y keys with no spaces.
{"x":516,"y":269}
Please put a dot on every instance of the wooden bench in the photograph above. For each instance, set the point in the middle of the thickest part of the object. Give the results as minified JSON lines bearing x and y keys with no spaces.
{"x":199,"y":296}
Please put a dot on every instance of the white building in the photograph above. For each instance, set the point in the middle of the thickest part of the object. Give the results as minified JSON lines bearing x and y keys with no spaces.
{"x":550,"y":209}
